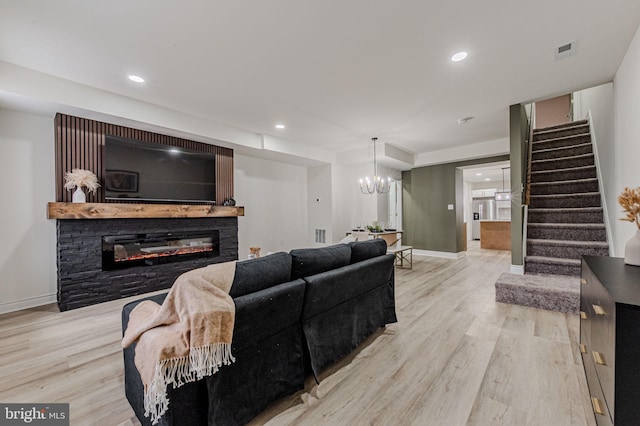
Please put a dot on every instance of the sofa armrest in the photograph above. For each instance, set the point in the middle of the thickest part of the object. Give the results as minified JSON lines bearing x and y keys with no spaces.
{"x":126,"y":309}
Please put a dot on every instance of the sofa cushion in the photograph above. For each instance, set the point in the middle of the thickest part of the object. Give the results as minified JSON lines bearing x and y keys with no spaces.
{"x":363,"y":250}
{"x":257,"y":274}
{"x":307,"y":262}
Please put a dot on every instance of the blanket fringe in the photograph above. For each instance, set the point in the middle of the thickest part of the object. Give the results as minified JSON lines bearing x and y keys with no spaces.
{"x":201,"y":362}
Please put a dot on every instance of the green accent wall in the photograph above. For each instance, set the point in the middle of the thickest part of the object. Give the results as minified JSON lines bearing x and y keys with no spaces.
{"x":518,"y":134}
{"x":426,"y":193}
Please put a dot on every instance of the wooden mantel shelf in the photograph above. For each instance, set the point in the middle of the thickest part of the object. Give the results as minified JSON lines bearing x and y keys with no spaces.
{"x":137,"y":211}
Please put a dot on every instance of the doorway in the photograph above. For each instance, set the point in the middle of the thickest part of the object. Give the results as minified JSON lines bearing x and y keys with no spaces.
{"x":483,"y":185}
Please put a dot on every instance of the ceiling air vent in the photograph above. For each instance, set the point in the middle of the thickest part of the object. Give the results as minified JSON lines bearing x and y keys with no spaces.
{"x":566,"y":50}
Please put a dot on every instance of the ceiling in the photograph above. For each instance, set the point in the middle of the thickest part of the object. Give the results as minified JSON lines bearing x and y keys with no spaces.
{"x":335,"y":73}
{"x":488,"y":174}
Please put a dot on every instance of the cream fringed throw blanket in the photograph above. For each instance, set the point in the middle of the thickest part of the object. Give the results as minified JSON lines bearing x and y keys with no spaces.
{"x":185,"y":339}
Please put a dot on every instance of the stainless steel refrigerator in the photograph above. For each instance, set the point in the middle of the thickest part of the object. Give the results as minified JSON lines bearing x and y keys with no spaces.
{"x":482,"y":209}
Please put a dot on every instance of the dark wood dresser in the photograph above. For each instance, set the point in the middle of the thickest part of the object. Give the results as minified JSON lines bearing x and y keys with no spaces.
{"x":610,"y":338}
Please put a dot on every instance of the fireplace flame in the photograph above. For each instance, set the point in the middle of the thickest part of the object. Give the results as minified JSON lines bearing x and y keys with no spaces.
{"x":165,"y":253}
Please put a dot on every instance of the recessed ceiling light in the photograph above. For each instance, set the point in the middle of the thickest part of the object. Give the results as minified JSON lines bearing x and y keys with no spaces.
{"x":478,"y":174}
{"x":459,"y":56}
{"x":487,"y":178}
{"x":279,"y":126}
{"x":136,"y":78}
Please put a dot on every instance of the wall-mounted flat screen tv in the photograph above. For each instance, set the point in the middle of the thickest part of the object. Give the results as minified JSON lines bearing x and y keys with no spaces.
{"x":153,"y":172}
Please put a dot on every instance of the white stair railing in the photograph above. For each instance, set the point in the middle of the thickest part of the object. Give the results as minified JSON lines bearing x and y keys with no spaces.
{"x":600,"y":184}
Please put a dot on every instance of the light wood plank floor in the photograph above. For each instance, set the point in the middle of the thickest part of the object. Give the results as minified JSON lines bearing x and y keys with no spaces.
{"x":456,"y":357}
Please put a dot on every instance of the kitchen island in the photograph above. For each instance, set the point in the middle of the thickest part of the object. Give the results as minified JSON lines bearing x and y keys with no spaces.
{"x":495,"y":234}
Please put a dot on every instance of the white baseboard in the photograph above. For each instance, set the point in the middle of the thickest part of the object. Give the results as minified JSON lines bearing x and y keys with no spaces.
{"x":445,"y":254}
{"x":517,"y":269}
{"x":32,"y":302}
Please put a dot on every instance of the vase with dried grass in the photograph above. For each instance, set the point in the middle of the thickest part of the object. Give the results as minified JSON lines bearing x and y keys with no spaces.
{"x":79,"y":179}
{"x":630,"y":202}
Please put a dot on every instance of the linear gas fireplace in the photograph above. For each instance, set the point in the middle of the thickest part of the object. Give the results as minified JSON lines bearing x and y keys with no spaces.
{"x":148,"y":249}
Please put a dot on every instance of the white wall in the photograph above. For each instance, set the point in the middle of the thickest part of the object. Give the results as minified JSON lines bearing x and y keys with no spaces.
{"x":342,"y":188}
{"x":490,"y":185}
{"x":460,"y":153}
{"x":383,"y":199}
{"x":350,"y":206}
{"x":281,"y":208}
{"x":320,"y":204}
{"x":274,"y":195}
{"x":28,"y":249}
{"x":627,"y":136}
{"x":600,"y":101}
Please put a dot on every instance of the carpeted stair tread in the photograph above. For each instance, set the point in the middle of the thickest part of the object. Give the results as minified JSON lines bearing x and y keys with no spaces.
{"x":565,"y":243}
{"x":555,"y":260}
{"x":583,"y":172}
{"x":567,"y":231}
{"x":568,"y":249}
{"x":566,"y":215}
{"x":562,"y":151}
{"x":572,"y":210}
{"x":545,"y":134}
{"x":585,"y":132}
{"x":583,"y":199}
{"x":536,"y":265}
{"x":562,"y":182}
{"x":561,"y":159}
{"x":581,"y":194}
{"x":560,"y":141}
{"x":568,"y":225}
{"x":564,"y":162}
{"x":567,"y":187}
{"x":561,"y":126}
{"x":551,"y":292}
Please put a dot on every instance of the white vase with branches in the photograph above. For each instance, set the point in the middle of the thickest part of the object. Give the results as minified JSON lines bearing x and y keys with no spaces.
{"x":78,"y":179}
{"x":630,"y":202}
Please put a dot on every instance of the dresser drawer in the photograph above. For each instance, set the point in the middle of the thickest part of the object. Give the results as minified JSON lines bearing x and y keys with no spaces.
{"x":610,"y":296}
{"x":588,"y":293}
{"x":598,"y":402}
{"x":603,"y":341}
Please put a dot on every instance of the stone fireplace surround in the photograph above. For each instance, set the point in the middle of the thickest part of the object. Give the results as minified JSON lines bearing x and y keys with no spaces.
{"x":81,"y":280}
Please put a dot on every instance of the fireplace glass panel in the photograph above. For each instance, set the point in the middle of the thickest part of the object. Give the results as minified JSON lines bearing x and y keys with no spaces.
{"x":124,"y":251}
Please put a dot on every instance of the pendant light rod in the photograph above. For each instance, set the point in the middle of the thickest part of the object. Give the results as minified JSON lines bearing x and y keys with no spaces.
{"x":375,"y":162}
{"x":503,"y":195}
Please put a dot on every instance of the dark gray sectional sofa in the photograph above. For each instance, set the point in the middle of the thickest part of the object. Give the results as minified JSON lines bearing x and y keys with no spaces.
{"x":296,"y":313}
